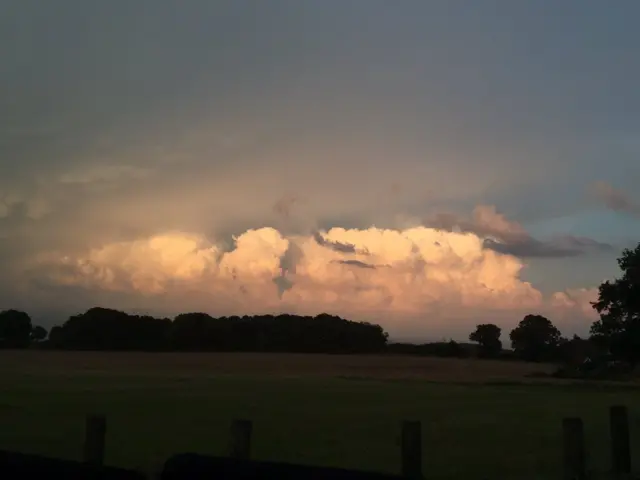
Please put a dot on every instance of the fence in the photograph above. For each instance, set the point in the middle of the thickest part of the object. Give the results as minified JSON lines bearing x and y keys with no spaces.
{"x":575,"y":453}
{"x":240,"y":443}
{"x":238,"y":464}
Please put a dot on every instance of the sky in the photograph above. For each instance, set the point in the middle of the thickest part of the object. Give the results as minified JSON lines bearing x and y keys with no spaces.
{"x":424,"y":165}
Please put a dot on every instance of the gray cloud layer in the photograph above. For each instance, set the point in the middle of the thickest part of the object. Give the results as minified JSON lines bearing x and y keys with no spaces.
{"x":123,"y":120}
{"x":562,"y":246}
{"x":511,"y":238}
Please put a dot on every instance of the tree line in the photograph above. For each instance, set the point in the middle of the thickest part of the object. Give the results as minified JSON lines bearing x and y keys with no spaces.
{"x":535,"y":338}
{"x":616,"y":335}
{"x":613,"y":344}
{"x":108,"y":329}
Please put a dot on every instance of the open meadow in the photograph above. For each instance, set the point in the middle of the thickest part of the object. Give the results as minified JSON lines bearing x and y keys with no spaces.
{"x":481,"y":419}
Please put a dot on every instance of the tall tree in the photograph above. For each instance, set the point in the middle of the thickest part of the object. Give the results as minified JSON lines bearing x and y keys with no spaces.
{"x":487,"y":335}
{"x":535,"y":338}
{"x":618,"y":304}
{"x":15,"y":329}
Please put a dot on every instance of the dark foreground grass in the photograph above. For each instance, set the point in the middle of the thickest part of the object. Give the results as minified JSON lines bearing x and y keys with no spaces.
{"x":469,"y":431}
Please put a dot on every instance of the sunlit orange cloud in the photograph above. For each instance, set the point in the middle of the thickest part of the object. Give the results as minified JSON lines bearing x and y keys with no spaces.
{"x":575,"y":299}
{"x":405,"y":279}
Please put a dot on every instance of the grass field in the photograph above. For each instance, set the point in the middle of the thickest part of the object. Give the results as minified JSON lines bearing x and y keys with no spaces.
{"x":481,"y":419}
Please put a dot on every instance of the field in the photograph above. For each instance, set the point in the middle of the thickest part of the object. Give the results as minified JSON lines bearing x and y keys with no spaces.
{"x":481,"y":419}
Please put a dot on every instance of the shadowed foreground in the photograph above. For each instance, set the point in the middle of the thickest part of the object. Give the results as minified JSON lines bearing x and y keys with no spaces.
{"x":273,"y":364}
{"x":312,"y":409}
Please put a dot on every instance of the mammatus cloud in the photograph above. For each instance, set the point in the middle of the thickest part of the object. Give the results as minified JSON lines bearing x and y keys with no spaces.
{"x":510,"y":238}
{"x":615,"y":199}
{"x":419,"y":276}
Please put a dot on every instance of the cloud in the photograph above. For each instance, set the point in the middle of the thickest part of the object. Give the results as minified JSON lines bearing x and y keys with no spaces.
{"x":431,"y":277}
{"x":355,"y":263}
{"x":615,"y":199}
{"x":284,"y":205}
{"x":288,"y":262}
{"x":149,"y":266}
{"x":580,"y":298}
{"x":560,"y":246}
{"x":14,"y":204}
{"x":336,"y":245}
{"x":103,"y":173}
{"x":507,"y":237}
{"x":572,"y":308}
{"x":366,"y":139}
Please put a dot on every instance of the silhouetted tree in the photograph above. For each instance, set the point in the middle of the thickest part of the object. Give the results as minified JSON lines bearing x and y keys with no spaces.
{"x":576,"y":351}
{"x":487,"y":335}
{"x":454,"y":349}
{"x":106,"y":329}
{"x":618,"y":304}
{"x":38,"y":333}
{"x":56,"y":337}
{"x":535,"y":338}
{"x":15,"y":329}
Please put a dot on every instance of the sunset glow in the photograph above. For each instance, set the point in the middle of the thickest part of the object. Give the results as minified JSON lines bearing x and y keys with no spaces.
{"x":428,"y":172}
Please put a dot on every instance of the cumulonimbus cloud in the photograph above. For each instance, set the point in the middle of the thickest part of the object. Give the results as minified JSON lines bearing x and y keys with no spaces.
{"x":421,"y":274}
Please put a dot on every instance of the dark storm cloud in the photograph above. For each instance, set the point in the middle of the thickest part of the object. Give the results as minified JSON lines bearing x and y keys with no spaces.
{"x":356,"y":263}
{"x":505,"y":236}
{"x":288,"y":262}
{"x":337,"y":246}
{"x":560,"y":247}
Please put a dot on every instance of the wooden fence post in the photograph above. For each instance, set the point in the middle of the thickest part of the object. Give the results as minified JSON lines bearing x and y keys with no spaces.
{"x":574,"y":449}
{"x":94,"y":440}
{"x":240,"y":439}
{"x":620,"y":443}
{"x":411,"y":449}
